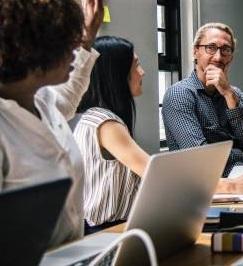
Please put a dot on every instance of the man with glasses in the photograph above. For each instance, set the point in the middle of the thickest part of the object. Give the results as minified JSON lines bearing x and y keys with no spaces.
{"x":205,"y":108}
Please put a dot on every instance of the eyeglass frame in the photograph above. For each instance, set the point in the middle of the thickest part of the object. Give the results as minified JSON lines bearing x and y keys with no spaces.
{"x":206,"y":46}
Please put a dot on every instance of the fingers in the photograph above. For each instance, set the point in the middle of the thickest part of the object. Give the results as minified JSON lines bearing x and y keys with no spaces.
{"x":96,"y":5}
{"x":218,"y":68}
{"x":218,"y":81}
{"x":84,"y":4}
{"x":213,"y":72}
{"x":93,"y":13}
{"x":215,"y":76}
{"x":93,"y":10}
{"x":212,"y":76}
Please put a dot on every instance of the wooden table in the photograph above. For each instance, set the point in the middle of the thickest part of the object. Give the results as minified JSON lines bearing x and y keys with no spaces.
{"x":198,"y":255}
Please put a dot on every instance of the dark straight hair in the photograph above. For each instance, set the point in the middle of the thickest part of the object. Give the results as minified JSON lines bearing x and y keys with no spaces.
{"x":109,"y":86}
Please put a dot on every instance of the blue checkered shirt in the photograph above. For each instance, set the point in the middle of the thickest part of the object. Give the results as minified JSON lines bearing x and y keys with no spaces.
{"x":193,"y":118}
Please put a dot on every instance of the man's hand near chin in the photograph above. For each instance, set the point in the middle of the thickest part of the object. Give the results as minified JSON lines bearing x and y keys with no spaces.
{"x":216,"y":76}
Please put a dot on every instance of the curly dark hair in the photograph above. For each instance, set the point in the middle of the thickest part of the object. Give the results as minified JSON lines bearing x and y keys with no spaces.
{"x":36,"y":34}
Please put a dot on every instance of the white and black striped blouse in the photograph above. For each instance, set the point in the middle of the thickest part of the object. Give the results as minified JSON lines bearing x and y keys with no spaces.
{"x":109,"y":186}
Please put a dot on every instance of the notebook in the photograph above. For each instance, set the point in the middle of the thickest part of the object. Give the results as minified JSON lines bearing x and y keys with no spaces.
{"x":28,"y":217}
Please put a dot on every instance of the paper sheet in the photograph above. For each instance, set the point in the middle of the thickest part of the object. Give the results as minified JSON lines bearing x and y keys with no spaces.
{"x":236,"y":171}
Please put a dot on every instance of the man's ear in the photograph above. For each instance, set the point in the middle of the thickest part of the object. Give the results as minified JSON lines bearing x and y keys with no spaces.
{"x":195,"y":51}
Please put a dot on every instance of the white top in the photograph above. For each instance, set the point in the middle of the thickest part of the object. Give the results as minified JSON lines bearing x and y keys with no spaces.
{"x":109,"y":186}
{"x":32,"y":150}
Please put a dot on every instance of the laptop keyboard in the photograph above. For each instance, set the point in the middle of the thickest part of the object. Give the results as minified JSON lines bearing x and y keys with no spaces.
{"x":106,"y":261}
{"x":83,"y":262}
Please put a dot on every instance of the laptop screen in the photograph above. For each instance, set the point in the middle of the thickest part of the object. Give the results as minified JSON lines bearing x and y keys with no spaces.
{"x":28,"y":217}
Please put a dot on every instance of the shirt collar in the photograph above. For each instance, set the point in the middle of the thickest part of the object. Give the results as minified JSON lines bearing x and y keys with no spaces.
{"x":196,"y":81}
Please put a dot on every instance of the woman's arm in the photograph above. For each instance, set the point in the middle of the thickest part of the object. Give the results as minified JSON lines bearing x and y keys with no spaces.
{"x":115,"y":138}
{"x":69,"y":94}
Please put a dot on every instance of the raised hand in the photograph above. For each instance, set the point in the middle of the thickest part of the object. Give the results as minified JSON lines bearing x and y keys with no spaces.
{"x":93,"y":16}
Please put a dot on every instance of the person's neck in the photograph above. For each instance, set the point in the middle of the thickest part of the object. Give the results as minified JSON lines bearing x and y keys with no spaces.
{"x":22,"y":92}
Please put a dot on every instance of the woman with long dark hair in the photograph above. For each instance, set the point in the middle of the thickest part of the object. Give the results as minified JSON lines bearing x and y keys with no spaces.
{"x":113,"y":161}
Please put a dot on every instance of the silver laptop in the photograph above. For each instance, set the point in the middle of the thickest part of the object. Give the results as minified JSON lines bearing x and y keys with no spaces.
{"x":171,"y":206}
{"x":173,"y":199}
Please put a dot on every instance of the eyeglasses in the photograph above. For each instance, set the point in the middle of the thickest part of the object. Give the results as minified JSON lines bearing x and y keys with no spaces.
{"x":212,"y":49}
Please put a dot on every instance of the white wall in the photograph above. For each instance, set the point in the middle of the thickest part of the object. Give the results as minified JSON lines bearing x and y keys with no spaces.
{"x":136,"y":20}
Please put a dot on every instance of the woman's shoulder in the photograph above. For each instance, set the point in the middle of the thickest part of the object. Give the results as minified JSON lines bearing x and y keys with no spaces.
{"x":100,"y":115}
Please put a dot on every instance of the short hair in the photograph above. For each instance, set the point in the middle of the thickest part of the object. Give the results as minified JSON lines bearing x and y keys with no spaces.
{"x":214,"y":25}
{"x":109,"y":87}
{"x":36,"y":34}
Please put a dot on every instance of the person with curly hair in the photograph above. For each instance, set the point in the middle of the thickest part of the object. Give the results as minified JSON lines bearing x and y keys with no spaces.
{"x":42,"y":80}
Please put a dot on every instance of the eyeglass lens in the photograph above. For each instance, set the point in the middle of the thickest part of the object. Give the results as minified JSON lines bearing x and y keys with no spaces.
{"x":212,"y":49}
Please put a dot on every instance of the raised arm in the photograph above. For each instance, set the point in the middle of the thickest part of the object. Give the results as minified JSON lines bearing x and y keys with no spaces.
{"x":115,"y":138}
{"x":69,"y":94}
{"x":93,"y":17}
